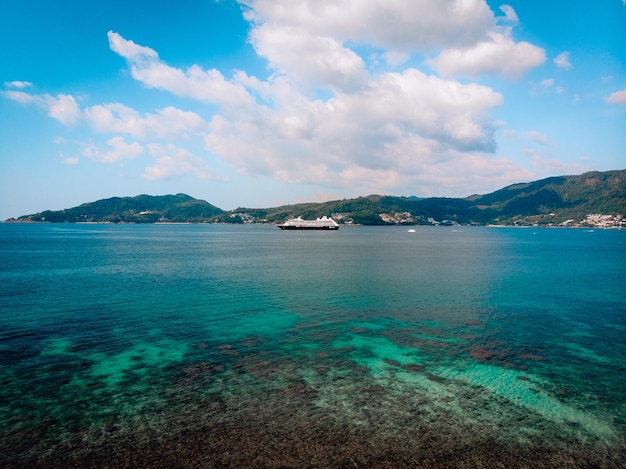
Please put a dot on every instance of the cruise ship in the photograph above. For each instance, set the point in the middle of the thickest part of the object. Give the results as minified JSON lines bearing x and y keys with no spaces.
{"x":323,"y":223}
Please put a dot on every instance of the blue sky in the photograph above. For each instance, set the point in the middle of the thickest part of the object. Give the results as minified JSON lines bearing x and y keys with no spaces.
{"x":260,"y":103}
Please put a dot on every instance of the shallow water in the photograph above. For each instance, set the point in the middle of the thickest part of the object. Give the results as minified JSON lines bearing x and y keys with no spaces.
{"x":247,"y":346}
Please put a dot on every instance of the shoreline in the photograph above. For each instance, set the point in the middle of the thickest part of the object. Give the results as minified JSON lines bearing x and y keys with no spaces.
{"x":19,"y":222}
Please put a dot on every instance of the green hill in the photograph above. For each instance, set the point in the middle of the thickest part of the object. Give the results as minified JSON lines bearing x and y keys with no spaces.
{"x":139,"y":209}
{"x":368,"y":210}
{"x":557,"y":199}
{"x":548,"y":201}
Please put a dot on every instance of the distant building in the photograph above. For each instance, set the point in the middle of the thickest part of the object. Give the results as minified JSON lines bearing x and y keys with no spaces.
{"x":603,"y":221}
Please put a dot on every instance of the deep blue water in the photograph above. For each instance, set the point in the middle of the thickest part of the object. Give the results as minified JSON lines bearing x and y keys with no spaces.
{"x":247,"y":346}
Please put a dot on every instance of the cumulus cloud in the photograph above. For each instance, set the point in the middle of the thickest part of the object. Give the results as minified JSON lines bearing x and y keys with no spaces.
{"x":509,"y":13}
{"x":318,"y":31}
{"x":377,"y":128}
{"x":499,"y":54}
{"x":17,"y":84}
{"x":63,"y":108}
{"x":196,"y":83}
{"x":562,"y":61}
{"x":391,"y":128}
{"x":493,"y":53}
{"x":116,"y":149}
{"x":391,"y":25}
{"x":21,"y":97}
{"x":315,"y":61}
{"x":129,"y":50}
{"x":173,"y":162}
{"x":619,"y":97}
{"x":168,"y":123}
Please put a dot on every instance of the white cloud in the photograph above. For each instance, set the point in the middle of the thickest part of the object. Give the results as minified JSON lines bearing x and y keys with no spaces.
{"x":375,"y":130}
{"x":619,"y":97}
{"x":562,"y":61}
{"x":17,"y":84}
{"x":173,"y":162}
{"x":392,"y":25}
{"x":129,"y":50}
{"x":117,"y":150}
{"x":20,"y":96}
{"x":167,"y":124}
{"x":315,"y":61}
{"x":317,"y":33}
{"x":509,"y":13}
{"x":62,"y":108}
{"x":389,"y":130}
{"x":385,"y":127}
{"x":546,"y":86}
{"x":538,"y":137}
{"x":498,"y":55}
{"x":196,"y":83}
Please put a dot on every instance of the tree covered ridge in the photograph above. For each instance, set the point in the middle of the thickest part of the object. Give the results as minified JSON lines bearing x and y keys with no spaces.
{"x":552,"y":200}
{"x":139,"y":209}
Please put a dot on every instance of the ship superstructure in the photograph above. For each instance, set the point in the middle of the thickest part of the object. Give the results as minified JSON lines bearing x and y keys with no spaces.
{"x":323,"y":223}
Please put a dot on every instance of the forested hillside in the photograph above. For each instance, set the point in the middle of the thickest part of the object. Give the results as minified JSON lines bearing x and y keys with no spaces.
{"x":555,"y":200}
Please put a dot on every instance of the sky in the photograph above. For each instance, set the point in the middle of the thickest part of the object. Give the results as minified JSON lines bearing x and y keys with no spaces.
{"x":261,"y":103}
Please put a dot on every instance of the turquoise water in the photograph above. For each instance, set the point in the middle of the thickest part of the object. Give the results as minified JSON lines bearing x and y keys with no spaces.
{"x":247,"y":346}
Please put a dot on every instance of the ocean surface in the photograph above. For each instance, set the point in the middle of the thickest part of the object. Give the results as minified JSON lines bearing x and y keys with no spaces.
{"x":248,"y":346}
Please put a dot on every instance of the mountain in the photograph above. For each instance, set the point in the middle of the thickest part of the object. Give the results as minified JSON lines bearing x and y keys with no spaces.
{"x":368,"y":210}
{"x":555,"y":200}
{"x":139,"y":209}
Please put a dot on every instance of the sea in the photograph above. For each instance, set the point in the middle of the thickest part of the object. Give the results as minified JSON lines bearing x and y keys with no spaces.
{"x":244,"y":346}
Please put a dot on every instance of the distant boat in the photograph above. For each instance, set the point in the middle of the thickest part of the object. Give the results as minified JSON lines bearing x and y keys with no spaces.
{"x":411,"y":230}
{"x":323,"y":223}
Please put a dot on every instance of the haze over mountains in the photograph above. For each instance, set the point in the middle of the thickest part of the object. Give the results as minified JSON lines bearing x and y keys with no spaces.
{"x":555,"y":200}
